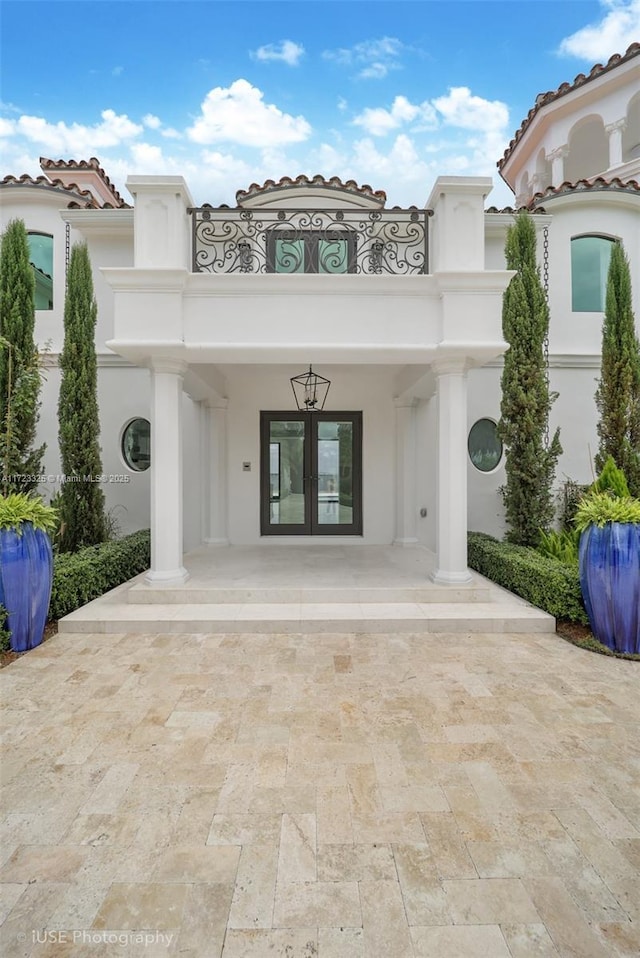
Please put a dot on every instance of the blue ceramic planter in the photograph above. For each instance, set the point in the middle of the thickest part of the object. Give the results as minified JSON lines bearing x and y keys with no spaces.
{"x":610,"y":582}
{"x":26,"y":573}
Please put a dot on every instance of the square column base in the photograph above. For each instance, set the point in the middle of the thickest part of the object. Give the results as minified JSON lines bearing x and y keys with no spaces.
{"x":451,"y":578}
{"x":172,"y":576}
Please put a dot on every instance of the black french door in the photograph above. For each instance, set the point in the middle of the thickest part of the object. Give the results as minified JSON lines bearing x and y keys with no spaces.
{"x":310,"y":473}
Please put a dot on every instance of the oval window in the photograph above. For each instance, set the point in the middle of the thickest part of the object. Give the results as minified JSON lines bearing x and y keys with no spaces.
{"x":136,"y":444}
{"x":485,"y":447}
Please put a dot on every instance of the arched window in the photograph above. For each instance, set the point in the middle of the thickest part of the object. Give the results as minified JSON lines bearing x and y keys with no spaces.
{"x":41,"y":258}
{"x":484,"y":445}
{"x":590,"y":257}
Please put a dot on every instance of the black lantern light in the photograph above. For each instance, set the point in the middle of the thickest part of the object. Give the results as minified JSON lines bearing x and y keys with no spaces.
{"x":310,"y":391}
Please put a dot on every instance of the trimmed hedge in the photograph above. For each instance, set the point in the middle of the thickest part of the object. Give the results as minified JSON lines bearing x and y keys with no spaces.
{"x":81,"y":576}
{"x":543,"y":581}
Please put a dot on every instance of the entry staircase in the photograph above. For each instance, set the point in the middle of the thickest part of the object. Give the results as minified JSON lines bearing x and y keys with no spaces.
{"x":311,"y":589}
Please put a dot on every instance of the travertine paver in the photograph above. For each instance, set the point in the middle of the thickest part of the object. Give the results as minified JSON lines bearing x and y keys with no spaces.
{"x":319,"y":796}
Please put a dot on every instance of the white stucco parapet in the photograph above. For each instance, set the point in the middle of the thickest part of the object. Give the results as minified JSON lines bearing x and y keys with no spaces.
{"x":456,"y":240}
{"x":162,"y":224}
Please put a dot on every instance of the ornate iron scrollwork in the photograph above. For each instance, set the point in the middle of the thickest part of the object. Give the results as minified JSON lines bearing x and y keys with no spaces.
{"x":318,"y":241}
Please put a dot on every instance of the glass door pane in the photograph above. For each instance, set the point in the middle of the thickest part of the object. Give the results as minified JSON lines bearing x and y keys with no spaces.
{"x":286,"y":473}
{"x":311,"y":473}
{"x":334,"y":489}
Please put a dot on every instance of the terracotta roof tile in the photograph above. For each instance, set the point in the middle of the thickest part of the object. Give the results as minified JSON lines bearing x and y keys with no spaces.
{"x":314,"y":181}
{"x":599,"y":183}
{"x":514,"y":210}
{"x":543,"y":99}
{"x":43,"y":182}
{"x":91,"y":164}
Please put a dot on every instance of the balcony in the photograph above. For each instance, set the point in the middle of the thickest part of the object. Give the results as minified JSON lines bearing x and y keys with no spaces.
{"x":331,"y":241}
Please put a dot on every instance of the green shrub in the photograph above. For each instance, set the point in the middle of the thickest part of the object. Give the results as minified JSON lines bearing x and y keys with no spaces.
{"x":20,"y":507}
{"x":543,"y":581}
{"x":5,"y":635}
{"x":568,"y":500}
{"x":562,"y":546}
{"x":598,"y":508}
{"x":611,"y":480}
{"x":81,"y":576}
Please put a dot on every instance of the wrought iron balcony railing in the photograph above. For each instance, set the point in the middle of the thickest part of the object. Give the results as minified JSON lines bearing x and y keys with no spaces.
{"x":310,"y":241}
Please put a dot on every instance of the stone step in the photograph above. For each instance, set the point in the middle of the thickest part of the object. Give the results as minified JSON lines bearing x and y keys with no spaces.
{"x":142,"y":594}
{"x":119,"y":615}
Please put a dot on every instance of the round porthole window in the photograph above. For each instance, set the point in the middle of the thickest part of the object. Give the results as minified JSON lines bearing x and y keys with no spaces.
{"x":136,"y":444}
{"x":485,"y":447}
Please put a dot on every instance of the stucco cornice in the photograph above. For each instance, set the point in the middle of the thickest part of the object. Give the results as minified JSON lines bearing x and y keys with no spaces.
{"x":130,"y":279}
{"x":100,"y":221}
{"x":311,"y":284}
{"x":566,"y":361}
{"x":461,"y":356}
{"x":484,"y":282}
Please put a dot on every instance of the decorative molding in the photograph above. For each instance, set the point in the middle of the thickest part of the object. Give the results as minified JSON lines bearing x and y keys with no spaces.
{"x":563,"y":361}
{"x":560,"y":153}
{"x":175,"y":367}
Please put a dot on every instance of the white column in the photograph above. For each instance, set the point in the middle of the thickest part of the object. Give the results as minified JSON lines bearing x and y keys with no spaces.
{"x":451,"y":522}
{"x":166,"y":472}
{"x":557,"y":158}
{"x":216,"y":472}
{"x":405,"y":472}
{"x":204,"y":435}
{"x":615,"y":131}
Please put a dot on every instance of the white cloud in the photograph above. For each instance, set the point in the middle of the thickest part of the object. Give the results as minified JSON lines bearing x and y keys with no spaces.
{"x":76,"y":139}
{"x":375,"y":71}
{"x":378,"y":122}
{"x":237,"y":114}
{"x":460,"y":108}
{"x":117,"y":71}
{"x":402,"y":169}
{"x":374,"y":57}
{"x":151,"y":121}
{"x":149,"y":157}
{"x":618,"y":29}
{"x":328,"y":159}
{"x":7,"y":127}
{"x":9,"y":107}
{"x":285,"y":52}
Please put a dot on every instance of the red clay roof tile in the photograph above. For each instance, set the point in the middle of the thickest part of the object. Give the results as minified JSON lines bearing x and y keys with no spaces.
{"x":314,"y":181}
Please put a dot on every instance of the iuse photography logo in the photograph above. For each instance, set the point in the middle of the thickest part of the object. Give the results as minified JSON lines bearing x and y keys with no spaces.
{"x":87,"y":938}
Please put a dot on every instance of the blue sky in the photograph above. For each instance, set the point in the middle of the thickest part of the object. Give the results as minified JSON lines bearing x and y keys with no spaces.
{"x":230,"y":92}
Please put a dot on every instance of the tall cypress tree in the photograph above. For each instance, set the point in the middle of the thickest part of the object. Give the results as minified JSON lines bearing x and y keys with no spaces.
{"x":618,"y":392}
{"x":82,"y":498}
{"x":19,"y":365}
{"x":526,"y":400}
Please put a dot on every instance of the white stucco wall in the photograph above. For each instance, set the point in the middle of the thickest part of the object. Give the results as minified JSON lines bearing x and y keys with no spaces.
{"x":251,"y":389}
{"x":123,"y":395}
{"x":40,"y":212}
{"x":606,"y":214}
{"x":485,"y":509}
{"x":576,"y":413}
{"x":426,"y":472}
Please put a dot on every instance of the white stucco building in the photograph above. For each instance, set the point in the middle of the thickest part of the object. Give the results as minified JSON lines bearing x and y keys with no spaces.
{"x":205,"y":315}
